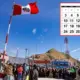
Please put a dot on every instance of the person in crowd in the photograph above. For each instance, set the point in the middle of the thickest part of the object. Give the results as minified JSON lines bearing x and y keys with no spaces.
{"x":24,"y":71}
{"x":35,"y":72}
{"x":50,"y":74}
{"x":54,"y":72}
{"x":41,"y":72}
{"x":47,"y":72}
{"x":57,"y":73}
{"x":60,"y":74}
{"x":63,"y":73}
{"x":20,"y":71}
{"x":8,"y":71}
{"x":78,"y":73}
{"x":15,"y":71}
{"x":31,"y":73}
{"x":66,"y":74}
{"x":73,"y":73}
{"x":27,"y":69}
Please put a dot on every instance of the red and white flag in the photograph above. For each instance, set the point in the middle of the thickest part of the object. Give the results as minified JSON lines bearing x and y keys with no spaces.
{"x":31,"y":8}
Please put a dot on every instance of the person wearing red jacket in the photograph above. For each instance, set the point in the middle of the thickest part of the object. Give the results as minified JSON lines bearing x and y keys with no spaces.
{"x":20,"y":71}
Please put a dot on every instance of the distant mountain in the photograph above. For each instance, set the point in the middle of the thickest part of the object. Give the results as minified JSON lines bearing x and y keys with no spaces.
{"x":54,"y":54}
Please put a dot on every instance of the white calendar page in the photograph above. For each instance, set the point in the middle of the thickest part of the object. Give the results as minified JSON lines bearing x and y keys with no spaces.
{"x":69,"y":18}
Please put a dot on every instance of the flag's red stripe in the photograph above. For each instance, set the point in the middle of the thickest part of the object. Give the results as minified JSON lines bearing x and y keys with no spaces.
{"x":34,"y":8}
{"x":17,"y":9}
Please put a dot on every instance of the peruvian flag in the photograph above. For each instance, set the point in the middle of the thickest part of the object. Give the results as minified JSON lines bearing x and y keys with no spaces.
{"x":31,"y":8}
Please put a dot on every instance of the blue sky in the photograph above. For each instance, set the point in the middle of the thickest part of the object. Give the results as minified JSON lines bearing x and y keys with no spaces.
{"x":38,"y":33}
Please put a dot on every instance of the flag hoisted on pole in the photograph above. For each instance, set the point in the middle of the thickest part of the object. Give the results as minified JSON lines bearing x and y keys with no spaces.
{"x":30,"y":8}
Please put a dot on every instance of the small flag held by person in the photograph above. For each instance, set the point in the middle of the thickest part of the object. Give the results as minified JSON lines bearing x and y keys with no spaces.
{"x":30,"y":8}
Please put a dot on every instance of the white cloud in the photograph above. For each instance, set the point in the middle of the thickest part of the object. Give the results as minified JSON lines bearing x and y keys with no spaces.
{"x":34,"y":31}
{"x":75,"y":50}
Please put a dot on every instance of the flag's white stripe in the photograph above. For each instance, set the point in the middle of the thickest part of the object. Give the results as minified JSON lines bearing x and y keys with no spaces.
{"x":28,"y":6}
{"x":9,"y":28}
{"x":5,"y":46}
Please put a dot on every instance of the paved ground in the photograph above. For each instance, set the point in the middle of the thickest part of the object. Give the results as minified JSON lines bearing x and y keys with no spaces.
{"x":48,"y":79}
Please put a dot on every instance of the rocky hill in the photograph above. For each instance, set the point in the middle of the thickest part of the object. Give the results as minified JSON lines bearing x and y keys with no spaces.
{"x":54,"y":54}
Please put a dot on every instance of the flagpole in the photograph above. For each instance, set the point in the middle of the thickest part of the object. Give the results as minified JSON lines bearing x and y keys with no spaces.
{"x":26,"y":54}
{"x":7,"y":35}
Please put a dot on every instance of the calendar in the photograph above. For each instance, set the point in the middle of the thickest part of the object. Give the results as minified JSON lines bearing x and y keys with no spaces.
{"x":69,"y":19}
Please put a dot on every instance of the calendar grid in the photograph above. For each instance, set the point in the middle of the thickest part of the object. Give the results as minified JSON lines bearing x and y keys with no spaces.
{"x":70,"y":19}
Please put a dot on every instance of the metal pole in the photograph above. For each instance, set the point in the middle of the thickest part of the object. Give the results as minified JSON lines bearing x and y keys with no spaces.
{"x":7,"y":35}
{"x":26,"y":55}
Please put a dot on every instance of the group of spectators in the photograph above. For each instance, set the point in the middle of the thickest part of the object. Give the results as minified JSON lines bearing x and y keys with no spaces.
{"x":26,"y":72}
{"x":66,"y":74}
{"x":19,"y":72}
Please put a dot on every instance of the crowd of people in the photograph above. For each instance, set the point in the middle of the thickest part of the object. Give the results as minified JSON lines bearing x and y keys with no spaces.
{"x":66,"y":74}
{"x":19,"y":72}
{"x":26,"y":72}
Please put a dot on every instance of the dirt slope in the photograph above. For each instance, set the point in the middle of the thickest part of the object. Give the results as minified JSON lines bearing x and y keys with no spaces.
{"x":54,"y":54}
